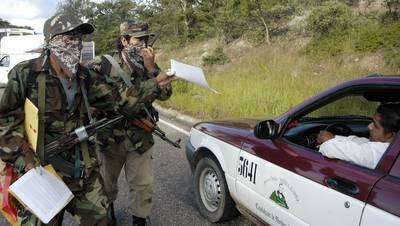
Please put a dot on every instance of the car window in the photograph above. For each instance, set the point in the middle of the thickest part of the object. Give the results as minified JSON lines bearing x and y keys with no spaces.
{"x":2,"y":34}
{"x":346,"y":106}
{"x":347,"y":116}
{"x":4,"y":60}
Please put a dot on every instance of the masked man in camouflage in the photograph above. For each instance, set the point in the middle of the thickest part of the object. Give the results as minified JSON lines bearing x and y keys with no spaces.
{"x":66,"y":94}
{"x":130,"y":147}
{"x":56,"y":84}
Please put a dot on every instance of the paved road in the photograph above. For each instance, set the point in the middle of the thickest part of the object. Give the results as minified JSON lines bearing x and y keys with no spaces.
{"x":174,"y":202}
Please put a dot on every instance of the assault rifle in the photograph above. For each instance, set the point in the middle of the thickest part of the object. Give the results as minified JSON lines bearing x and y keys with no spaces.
{"x":153,"y":128}
{"x":86,"y":132}
{"x":76,"y":136}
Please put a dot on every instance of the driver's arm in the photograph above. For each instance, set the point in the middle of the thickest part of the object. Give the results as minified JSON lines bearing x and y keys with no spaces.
{"x":354,"y":149}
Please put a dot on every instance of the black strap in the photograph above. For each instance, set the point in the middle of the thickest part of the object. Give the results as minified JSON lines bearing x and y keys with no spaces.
{"x":85,"y":100}
{"x":117,"y":69}
{"x":84,"y":145}
{"x":41,"y":116}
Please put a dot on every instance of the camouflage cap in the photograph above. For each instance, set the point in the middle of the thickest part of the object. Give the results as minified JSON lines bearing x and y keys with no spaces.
{"x":135,"y":28}
{"x":61,"y":23}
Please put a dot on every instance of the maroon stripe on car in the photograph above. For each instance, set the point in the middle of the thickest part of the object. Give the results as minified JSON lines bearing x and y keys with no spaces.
{"x":232,"y":132}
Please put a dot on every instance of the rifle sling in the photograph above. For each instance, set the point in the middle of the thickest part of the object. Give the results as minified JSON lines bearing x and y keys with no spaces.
{"x":84,"y":145}
{"x":41,"y":115}
{"x":121,"y":73}
{"x":77,"y":167}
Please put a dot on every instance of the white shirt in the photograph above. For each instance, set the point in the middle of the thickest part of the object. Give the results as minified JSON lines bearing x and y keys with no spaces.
{"x":358,"y":150}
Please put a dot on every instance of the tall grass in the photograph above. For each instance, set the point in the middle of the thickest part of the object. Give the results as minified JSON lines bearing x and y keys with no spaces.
{"x":266,"y":81}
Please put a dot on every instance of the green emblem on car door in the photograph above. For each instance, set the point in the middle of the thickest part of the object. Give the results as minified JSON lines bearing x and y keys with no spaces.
{"x":278,"y":197}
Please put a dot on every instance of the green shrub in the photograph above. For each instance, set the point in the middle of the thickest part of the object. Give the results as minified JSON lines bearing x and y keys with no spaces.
{"x":384,"y":38}
{"x":255,"y":35}
{"x":331,"y":44}
{"x":330,"y":16}
{"x":392,"y":45}
{"x":216,"y":57}
{"x":394,"y":8}
{"x":392,"y":57}
{"x":370,"y":38}
{"x":352,"y":2}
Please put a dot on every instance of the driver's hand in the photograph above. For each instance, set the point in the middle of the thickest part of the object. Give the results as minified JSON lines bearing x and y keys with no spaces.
{"x":324,"y":136}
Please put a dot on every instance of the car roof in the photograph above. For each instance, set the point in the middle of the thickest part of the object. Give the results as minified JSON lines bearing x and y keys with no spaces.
{"x":374,"y":79}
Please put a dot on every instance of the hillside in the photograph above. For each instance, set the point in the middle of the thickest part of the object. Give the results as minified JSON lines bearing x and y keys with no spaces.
{"x":263,"y":80}
{"x":263,"y":56}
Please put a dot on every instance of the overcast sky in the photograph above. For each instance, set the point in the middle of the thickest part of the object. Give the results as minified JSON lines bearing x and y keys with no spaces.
{"x":29,"y":12}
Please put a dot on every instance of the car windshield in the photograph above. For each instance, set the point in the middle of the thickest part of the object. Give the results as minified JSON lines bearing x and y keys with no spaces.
{"x":309,"y":118}
{"x":348,"y":107}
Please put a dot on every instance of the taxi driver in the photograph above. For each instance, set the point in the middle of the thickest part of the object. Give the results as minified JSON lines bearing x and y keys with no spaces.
{"x":359,"y":150}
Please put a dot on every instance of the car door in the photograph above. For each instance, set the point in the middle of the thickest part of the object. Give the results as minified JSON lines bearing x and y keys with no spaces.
{"x":383,"y":206}
{"x":296,"y":185}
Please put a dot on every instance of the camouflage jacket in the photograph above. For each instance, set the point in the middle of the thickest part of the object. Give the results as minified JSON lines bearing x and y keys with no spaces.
{"x":103,"y":93}
{"x":144,"y":92}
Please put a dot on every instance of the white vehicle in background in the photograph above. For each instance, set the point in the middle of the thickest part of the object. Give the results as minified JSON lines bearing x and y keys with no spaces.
{"x":15,"y":49}
{"x":15,"y":32}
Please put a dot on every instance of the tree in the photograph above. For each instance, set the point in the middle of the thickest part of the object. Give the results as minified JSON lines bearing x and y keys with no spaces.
{"x":331,"y":16}
{"x":174,"y":19}
{"x":6,"y":24}
{"x":394,"y":8}
{"x":107,"y":17}
{"x":76,"y":8}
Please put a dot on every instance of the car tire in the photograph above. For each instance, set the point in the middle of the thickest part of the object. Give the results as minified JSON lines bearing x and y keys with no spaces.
{"x":212,"y":193}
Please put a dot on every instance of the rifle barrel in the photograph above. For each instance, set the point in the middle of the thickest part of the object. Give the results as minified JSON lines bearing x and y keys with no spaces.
{"x":163,"y":137}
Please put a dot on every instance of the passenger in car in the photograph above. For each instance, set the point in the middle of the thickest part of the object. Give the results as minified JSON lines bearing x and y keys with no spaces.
{"x":359,"y":150}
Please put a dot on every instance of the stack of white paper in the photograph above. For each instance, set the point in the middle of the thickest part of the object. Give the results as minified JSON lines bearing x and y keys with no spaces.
{"x":42,"y":193}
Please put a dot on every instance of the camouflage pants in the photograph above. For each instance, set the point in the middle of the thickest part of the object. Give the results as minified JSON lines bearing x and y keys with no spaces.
{"x":88,"y":207}
{"x":137,"y":162}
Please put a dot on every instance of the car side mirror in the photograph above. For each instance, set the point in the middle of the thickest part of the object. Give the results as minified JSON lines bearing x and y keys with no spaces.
{"x":267,"y":129}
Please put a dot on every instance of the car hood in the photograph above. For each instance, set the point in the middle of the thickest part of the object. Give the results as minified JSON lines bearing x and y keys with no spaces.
{"x":230,"y":131}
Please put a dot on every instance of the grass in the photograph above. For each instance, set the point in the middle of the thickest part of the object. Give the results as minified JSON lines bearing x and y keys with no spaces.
{"x":264,"y":81}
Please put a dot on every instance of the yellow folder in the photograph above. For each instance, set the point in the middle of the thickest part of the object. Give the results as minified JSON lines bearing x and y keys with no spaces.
{"x":31,"y":123}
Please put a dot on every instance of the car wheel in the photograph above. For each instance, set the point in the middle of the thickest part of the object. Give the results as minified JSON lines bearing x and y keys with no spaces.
{"x":212,"y":193}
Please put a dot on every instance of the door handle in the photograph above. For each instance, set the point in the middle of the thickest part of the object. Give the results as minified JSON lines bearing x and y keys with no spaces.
{"x":343,"y":185}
